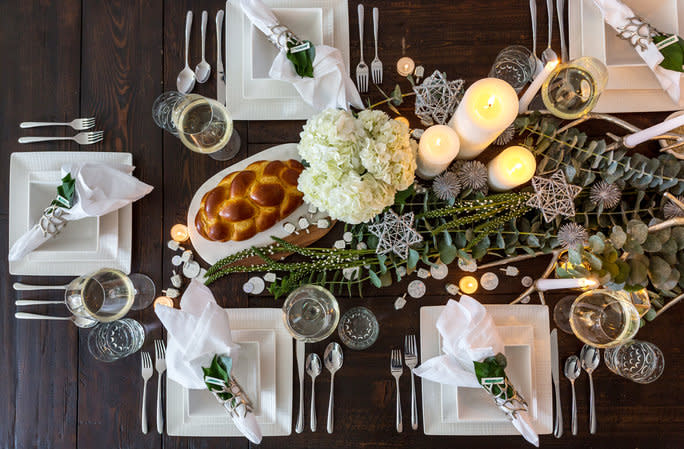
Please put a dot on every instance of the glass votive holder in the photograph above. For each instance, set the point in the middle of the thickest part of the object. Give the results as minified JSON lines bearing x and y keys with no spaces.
{"x":115,"y":340}
{"x":358,"y":328}
{"x":639,"y":361}
{"x":573,"y":89}
{"x":515,"y":65}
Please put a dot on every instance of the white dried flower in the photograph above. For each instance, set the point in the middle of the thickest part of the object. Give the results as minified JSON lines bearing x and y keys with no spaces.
{"x":605,"y":194}
{"x":570,"y":235}
{"x":472,"y":175}
{"x":506,"y":136}
{"x":672,"y":210}
{"x":446,"y":186}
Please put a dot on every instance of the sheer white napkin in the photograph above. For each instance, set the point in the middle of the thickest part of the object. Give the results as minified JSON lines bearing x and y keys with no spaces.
{"x":330,"y":86}
{"x":99,"y":189}
{"x":617,"y":14}
{"x":195,"y":333}
{"x":468,"y":334}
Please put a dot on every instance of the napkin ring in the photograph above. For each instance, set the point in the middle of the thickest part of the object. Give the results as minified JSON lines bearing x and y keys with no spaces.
{"x":280,"y":36}
{"x":52,"y":221}
{"x":637,"y":32}
{"x":509,"y":404}
{"x":239,"y":404}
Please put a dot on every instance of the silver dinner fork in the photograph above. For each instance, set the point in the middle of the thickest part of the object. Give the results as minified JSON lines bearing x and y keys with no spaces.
{"x":397,"y":369}
{"x":160,"y":365}
{"x":146,"y":361}
{"x":85,"y":138}
{"x":362,"y":67}
{"x":376,"y":64}
{"x":411,"y":360}
{"x":78,"y":124}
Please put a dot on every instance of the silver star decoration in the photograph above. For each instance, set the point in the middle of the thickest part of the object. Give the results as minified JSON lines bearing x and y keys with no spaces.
{"x":437,"y":98}
{"x":554,"y":196}
{"x":395,"y":234}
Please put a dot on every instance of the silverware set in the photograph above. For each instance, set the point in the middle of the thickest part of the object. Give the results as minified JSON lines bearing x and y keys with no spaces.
{"x":332,"y":360}
{"x":548,"y":54}
{"x":146,"y":372}
{"x":79,"y":124}
{"x":187,"y":77}
{"x":396,"y":370}
{"x":589,"y":360}
{"x":362,"y":70}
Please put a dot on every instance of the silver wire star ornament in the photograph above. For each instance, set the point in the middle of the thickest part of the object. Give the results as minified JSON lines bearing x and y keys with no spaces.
{"x":395,"y":234}
{"x":437,"y":98}
{"x":554,"y":196}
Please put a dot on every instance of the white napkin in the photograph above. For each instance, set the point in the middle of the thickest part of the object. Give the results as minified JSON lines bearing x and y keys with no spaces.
{"x":99,"y":189}
{"x":195,"y":333}
{"x":468,"y":334}
{"x":616,"y":14}
{"x":330,"y":86}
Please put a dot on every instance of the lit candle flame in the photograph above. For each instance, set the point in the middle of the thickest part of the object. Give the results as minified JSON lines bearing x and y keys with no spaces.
{"x":438,"y":142}
{"x":490,"y":102}
{"x":515,"y":168}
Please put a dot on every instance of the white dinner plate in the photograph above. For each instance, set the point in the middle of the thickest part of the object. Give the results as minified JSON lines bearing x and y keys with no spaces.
{"x":82,"y":246}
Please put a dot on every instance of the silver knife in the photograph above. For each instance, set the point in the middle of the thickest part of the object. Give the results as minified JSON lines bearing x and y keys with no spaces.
{"x":300,"y":368}
{"x":220,"y":71}
{"x":555,"y":375}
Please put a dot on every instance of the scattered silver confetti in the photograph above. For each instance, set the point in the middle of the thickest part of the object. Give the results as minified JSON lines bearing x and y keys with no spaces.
{"x":247,"y":287}
{"x":270,"y":277}
{"x":289,"y":227}
{"x":572,"y":235}
{"x":401,"y":271}
{"x":395,"y":234}
{"x":506,"y":136}
{"x":446,"y":186}
{"x":605,"y":194}
{"x":187,"y":256}
{"x":361,"y":245}
{"x":452,"y":289}
{"x":171,"y":293}
{"x":176,"y":260}
{"x":416,"y":289}
{"x":258,"y":285}
{"x":423,"y":273}
{"x":340,"y":244}
{"x":400,"y":302}
{"x":511,"y":271}
{"x":174,"y":245}
{"x":419,"y":72}
{"x":303,"y":223}
{"x":525,"y":299}
{"x":437,"y":98}
{"x":489,"y":281}
{"x":467,"y":265}
{"x":417,"y":133}
{"x":350,"y":273}
{"x":554,"y":196}
{"x":312,"y":209}
{"x":176,"y":280}
{"x":527,"y":281}
{"x":347,"y":237}
{"x":323,"y":223}
{"x":191,"y":269}
{"x":439,"y":271}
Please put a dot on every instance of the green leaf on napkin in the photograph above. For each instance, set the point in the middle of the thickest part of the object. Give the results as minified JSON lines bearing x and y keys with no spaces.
{"x":302,"y":60}
{"x":219,"y":370}
{"x":65,"y":192}
{"x":673,"y":54}
{"x":492,"y":368}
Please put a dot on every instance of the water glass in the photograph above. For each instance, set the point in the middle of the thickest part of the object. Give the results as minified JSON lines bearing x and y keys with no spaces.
{"x":358,"y":328}
{"x":573,"y":89}
{"x":311,"y":313}
{"x":515,"y":65}
{"x":604,"y":318}
{"x":636,"y":360}
{"x":112,"y":341}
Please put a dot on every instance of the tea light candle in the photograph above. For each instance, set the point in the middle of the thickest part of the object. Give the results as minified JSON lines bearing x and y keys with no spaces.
{"x":531,"y":91}
{"x":635,"y":139}
{"x":179,"y":233}
{"x":438,"y":146}
{"x":488,"y":107}
{"x":467,"y":285}
{"x":402,"y":119}
{"x":405,"y":66}
{"x":512,"y":167}
{"x":560,"y":284}
{"x":163,"y":301}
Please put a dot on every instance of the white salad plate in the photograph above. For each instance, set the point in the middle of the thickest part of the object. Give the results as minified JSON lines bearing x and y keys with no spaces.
{"x":250,"y":94}
{"x":84,"y":245}
{"x":631,"y":87}
{"x":455,"y":411}
{"x":264,"y":370}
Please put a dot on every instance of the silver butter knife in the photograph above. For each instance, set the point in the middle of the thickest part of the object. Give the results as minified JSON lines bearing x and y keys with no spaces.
{"x":220,"y":71}
{"x":300,"y":368}
{"x":555,"y":375}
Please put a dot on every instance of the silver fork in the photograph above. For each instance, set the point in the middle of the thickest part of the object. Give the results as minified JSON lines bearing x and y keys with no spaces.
{"x":78,"y":124}
{"x":362,"y":67}
{"x":85,"y":138}
{"x":397,"y":369}
{"x":146,"y":361}
{"x":160,"y":365}
{"x":376,"y":64}
{"x":411,"y":360}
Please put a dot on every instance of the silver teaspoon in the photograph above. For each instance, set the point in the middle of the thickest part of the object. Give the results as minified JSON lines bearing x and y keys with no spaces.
{"x":313,"y":369}
{"x":203,"y":69}
{"x":590,"y":358}
{"x":572,"y":371}
{"x":333,"y":359}
{"x":548,"y":54}
{"x":186,"y":78}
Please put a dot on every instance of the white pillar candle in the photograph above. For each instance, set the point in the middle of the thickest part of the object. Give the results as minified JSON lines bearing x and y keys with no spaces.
{"x":488,"y":107}
{"x":531,"y":91}
{"x":559,"y":284}
{"x":512,"y":167}
{"x":438,"y":146}
{"x":635,"y":139}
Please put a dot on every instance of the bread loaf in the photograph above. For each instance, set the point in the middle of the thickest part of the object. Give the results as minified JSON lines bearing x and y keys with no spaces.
{"x":250,"y":201}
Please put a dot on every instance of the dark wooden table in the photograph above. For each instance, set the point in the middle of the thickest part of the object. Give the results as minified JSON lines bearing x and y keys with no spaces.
{"x":78,"y":58}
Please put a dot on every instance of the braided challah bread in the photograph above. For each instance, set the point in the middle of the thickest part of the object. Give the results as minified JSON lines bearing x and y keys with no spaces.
{"x":250,"y":201}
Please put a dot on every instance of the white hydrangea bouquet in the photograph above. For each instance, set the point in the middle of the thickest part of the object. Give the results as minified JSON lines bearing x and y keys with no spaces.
{"x":355,"y":164}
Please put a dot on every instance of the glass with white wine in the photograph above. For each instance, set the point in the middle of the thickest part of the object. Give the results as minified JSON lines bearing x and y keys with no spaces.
{"x":604,"y":318}
{"x":311,"y":313}
{"x":573,"y":89}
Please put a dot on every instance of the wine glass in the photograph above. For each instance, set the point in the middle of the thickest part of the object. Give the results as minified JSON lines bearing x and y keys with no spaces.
{"x":604,"y":318}
{"x":311,"y":313}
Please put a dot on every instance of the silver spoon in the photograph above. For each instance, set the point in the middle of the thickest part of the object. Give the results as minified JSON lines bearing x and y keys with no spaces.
{"x":548,"y":54}
{"x":333,"y":359}
{"x":203,"y":69}
{"x":560,"y":12}
{"x":313,"y":369}
{"x":590,"y":358}
{"x":572,"y":371}
{"x":77,"y":320}
{"x":186,"y":78}
{"x":533,"y":14}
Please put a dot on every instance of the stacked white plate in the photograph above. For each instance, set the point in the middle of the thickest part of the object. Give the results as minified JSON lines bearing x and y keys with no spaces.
{"x":83,"y":246}
{"x":631,"y":87}
{"x":263,"y":368}
{"x":449,"y":410}
{"x":250,"y":93}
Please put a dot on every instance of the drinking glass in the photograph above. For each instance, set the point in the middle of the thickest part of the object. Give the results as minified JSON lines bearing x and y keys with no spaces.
{"x":636,"y":360}
{"x":515,"y":65}
{"x":311,"y":313}
{"x":604,"y":318}
{"x":573,"y":89}
{"x":112,"y":341}
{"x":358,"y":328}
{"x":202,"y":124}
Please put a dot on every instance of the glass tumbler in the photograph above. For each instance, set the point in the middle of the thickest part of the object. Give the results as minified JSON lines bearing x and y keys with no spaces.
{"x":636,"y":360}
{"x":113,"y":341}
{"x":515,"y":65}
{"x":358,"y":328}
{"x":311,"y":313}
{"x":573,"y":89}
{"x":604,"y":318}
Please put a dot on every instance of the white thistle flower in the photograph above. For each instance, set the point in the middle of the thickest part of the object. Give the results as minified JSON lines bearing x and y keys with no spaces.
{"x":472,"y":175}
{"x":605,"y":194}
{"x":672,"y":210}
{"x":506,"y":136}
{"x":446,"y":186}
{"x":570,"y":235}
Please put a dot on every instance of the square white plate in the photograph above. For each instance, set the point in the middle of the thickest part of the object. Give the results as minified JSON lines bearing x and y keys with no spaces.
{"x":535,"y":316}
{"x":181,"y":423}
{"x":249,"y":98}
{"x":82,"y":246}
